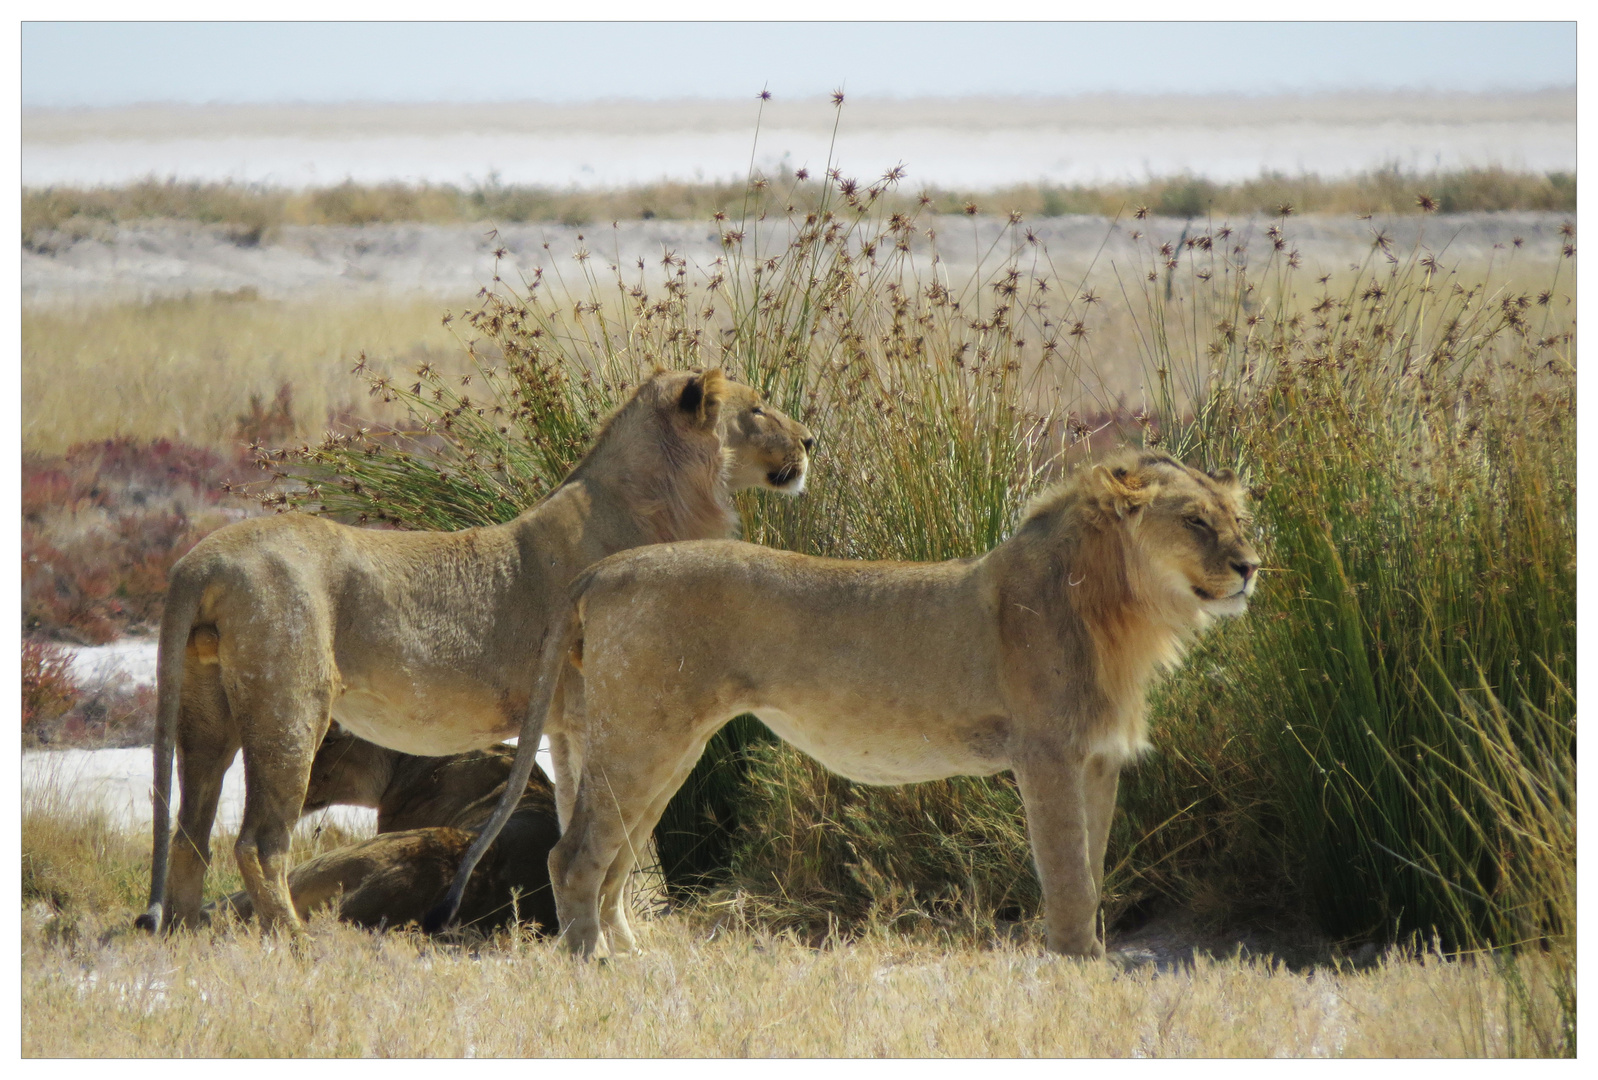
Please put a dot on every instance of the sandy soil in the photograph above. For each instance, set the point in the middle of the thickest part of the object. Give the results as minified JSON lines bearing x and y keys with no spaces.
{"x":971,"y":143}
{"x":119,"y":781}
{"x":326,"y":262}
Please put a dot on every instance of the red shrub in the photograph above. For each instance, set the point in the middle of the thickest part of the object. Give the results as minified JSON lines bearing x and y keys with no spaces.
{"x":268,"y":424}
{"x":43,"y":488}
{"x":47,"y":687}
{"x":103,"y":524}
{"x":123,"y":469}
{"x":57,"y":711}
{"x":69,"y":591}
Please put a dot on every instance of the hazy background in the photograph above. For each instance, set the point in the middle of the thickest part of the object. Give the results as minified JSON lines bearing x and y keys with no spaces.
{"x":597,"y":107}
{"x":968,"y":105}
{"x":102,"y":64}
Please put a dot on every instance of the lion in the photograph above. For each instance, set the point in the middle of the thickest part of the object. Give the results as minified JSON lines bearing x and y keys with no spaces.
{"x":426,"y":642}
{"x":1035,"y":657}
{"x":428,"y":811}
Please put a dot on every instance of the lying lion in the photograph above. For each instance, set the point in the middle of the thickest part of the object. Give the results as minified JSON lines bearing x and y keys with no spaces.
{"x":428,"y":810}
{"x":1035,"y":658}
{"x":425,"y":642}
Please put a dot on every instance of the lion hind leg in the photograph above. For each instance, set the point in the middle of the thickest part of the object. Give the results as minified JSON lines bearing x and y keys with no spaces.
{"x":278,"y":750}
{"x":207,"y":742}
{"x":613,"y":895}
{"x":609,"y":804}
{"x":576,"y":870}
{"x":567,"y":759}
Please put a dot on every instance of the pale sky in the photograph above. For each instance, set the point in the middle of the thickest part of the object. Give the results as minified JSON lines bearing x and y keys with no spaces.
{"x":107,"y":64}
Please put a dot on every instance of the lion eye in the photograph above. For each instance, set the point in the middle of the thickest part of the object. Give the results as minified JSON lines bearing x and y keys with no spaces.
{"x":1198,"y":523}
{"x":757,"y":411}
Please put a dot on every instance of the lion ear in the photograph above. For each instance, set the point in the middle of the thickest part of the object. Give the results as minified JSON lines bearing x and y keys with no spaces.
{"x":1227,"y":481}
{"x":701,"y":398}
{"x":1124,"y":492}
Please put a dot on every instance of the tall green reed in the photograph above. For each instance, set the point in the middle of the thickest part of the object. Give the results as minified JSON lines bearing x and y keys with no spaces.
{"x":1408,"y":673}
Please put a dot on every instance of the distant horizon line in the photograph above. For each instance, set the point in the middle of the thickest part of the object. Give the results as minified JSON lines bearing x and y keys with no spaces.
{"x":821,"y":99}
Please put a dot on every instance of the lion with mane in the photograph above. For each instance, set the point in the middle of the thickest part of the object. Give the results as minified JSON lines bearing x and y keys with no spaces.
{"x":1035,"y":657}
{"x":426,"y":642}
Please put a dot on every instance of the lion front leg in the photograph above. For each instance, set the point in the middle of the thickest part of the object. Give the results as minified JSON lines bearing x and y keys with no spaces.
{"x":1053,"y":782}
{"x":1102,"y":777}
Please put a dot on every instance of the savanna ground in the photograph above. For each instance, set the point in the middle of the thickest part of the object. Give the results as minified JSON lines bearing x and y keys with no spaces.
{"x":710,"y":982}
{"x":1377,"y":765}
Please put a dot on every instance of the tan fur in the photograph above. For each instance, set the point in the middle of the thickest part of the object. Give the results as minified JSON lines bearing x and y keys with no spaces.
{"x":1035,"y":657}
{"x":428,"y":809}
{"x":425,"y":642}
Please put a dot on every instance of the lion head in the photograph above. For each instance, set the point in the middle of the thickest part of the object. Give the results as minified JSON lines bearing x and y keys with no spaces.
{"x":347,"y":771}
{"x":1187,"y":533}
{"x":758,"y":444}
{"x":764,"y":447}
{"x":685,"y":441}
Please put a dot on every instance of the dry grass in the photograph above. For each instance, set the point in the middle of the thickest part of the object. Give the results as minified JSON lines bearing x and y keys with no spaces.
{"x":739,"y":994}
{"x":188,"y":368}
{"x":93,"y":988}
{"x":82,"y":864}
{"x":703,"y":987}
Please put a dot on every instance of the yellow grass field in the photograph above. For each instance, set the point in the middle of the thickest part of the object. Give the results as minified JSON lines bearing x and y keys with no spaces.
{"x":94,"y":987}
{"x":694,"y":993}
{"x":186,"y":368}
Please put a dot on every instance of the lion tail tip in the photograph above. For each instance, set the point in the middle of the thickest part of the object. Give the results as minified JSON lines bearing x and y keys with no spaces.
{"x":150,"y":921}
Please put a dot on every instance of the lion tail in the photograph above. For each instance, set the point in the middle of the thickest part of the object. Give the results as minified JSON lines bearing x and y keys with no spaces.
{"x":177,"y":620}
{"x":557,"y":645}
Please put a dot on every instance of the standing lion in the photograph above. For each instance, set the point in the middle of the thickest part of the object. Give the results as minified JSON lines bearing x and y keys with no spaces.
{"x":1035,"y":657}
{"x":421,"y":641}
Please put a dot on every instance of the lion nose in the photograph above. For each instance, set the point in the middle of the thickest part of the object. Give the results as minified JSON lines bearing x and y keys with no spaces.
{"x":1246,"y":568}
{"x":809,"y":443}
